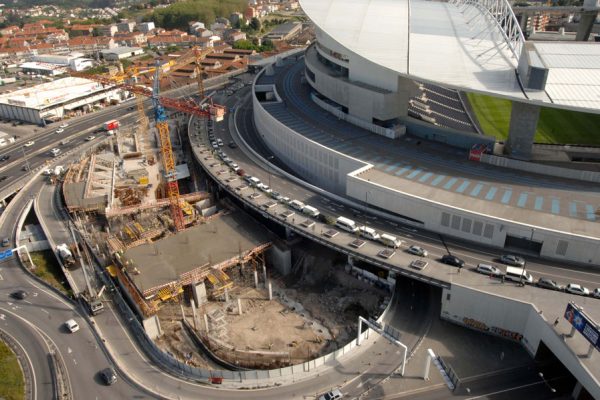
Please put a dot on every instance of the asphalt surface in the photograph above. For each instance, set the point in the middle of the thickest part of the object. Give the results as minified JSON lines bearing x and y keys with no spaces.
{"x":473,"y":254}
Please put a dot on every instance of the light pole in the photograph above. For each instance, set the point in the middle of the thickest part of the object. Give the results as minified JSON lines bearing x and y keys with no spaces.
{"x":269,"y":169}
{"x":26,"y":160}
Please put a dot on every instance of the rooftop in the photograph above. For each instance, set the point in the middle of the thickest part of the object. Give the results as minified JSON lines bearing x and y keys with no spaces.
{"x":469,"y":54}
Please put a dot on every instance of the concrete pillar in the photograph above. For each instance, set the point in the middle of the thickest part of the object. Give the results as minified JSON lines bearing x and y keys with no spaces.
{"x":523,"y":123}
{"x":226,"y":296}
{"x":586,"y":22}
{"x":264,"y":268}
{"x":240,"y":306}
{"x":523,"y":23}
{"x":194,"y":315}
{"x":576,"y":391}
{"x":206,"y":323}
{"x":256,"y":279}
{"x":270,"y":291}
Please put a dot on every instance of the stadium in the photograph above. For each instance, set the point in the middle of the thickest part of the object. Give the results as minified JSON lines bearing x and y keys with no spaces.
{"x":377,"y":110}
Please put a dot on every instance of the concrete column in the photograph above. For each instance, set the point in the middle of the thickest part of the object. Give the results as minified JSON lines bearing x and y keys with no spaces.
{"x":240,"y":306}
{"x":194,"y":315}
{"x":256,"y":279}
{"x":226,"y":296}
{"x":523,"y":23}
{"x":576,"y":391}
{"x":264,"y":268}
{"x":523,"y":123}
{"x":586,"y":23}
{"x":206,"y":323}
{"x":270,"y":291}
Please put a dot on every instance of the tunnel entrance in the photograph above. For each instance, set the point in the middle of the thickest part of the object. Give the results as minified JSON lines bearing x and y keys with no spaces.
{"x":523,"y":244}
{"x":556,"y":375}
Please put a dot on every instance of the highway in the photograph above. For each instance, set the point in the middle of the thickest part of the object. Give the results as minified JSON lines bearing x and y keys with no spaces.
{"x":472,"y":254}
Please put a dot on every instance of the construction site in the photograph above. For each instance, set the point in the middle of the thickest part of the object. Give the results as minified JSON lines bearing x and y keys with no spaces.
{"x":204,"y":277}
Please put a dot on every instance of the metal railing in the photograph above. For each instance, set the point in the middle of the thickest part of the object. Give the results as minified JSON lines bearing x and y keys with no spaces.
{"x":500,"y":13}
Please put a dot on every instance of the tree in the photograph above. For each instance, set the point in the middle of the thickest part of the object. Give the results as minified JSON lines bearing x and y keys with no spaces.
{"x":255,"y":24}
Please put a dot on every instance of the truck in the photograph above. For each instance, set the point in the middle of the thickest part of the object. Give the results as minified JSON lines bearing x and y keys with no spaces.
{"x":65,"y":254}
{"x":111,"y":126}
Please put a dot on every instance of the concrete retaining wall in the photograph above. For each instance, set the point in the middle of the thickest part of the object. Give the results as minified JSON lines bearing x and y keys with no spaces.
{"x":452,"y":137}
{"x":587,"y":176}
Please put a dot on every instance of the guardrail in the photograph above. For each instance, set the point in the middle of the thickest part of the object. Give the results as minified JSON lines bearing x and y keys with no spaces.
{"x":26,"y":367}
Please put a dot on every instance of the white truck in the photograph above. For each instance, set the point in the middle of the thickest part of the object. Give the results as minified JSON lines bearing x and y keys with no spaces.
{"x":65,"y":254}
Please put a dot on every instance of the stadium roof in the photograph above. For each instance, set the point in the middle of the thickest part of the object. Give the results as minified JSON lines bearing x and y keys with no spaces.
{"x":439,"y":42}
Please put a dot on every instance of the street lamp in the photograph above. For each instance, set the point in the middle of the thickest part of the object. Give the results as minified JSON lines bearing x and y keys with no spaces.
{"x":269,"y":169}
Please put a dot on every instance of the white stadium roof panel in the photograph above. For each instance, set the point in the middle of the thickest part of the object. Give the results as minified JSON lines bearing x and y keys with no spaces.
{"x":441,"y":43}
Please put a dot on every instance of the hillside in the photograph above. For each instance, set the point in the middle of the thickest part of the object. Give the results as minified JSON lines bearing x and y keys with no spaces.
{"x":178,"y":15}
{"x":60,"y":3}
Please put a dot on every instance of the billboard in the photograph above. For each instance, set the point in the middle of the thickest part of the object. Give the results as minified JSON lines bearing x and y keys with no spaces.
{"x":583,"y":324}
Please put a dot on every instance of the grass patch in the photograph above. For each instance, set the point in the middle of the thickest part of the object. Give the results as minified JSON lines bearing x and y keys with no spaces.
{"x":554,"y":126}
{"x":12,"y":381}
{"x":48,"y":269}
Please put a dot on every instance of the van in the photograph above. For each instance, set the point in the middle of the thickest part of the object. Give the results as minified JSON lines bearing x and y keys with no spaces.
{"x":390,"y":240}
{"x":310,"y":211}
{"x":64,"y":142}
{"x":254,"y":181}
{"x":297,"y":205}
{"x":515,"y":274}
{"x":346,"y":224}
{"x":368,"y":233}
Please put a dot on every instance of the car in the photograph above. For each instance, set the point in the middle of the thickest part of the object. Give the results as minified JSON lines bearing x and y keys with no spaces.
{"x":574,"y":288}
{"x":596,"y":293}
{"x":64,"y":125}
{"x":548,"y":283}
{"x":452,"y":260}
{"x":109,"y":376}
{"x":488,"y":269}
{"x":285,"y":200}
{"x":5,"y":242}
{"x":3,"y":178}
{"x":90,"y":138}
{"x":264,"y":188}
{"x":19,"y":294}
{"x":232,"y":144}
{"x":276,"y":196}
{"x":72,"y":325}
{"x":219,"y":142}
{"x":4,"y":157}
{"x":60,"y":130}
{"x":334,"y":394}
{"x":417,"y":251}
{"x":511,"y":259}
{"x":30,"y":143}
{"x":25,"y":167}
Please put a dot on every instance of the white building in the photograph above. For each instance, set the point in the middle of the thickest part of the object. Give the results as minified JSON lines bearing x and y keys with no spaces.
{"x":120,"y":53}
{"x":50,"y":101}
{"x":146,"y":27}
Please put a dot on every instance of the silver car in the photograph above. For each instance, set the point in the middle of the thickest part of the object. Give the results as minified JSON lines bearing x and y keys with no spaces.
{"x":511,"y":259}
{"x":417,"y":251}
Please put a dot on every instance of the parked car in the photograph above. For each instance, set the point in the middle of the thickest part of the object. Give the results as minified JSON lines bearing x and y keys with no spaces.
{"x":4,"y":157}
{"x":5,"y":242}
{"x":90,"y":138}
{"x":596,"y":293}
{"x":109,"y":376}
{"x":511,"y":259}
{"x":233,"y":145}
{"x":72,"y":325}
{"x":488,"y":269}
{"x":452,"y":260}
{"x":276,"y":196}
{"x":417,"y":251}
{"x":574,"y":288}
{"x":548,"y":283}
{"x":29,"y":144}
{"x":3,"y":178}
{"x":64,"y":125}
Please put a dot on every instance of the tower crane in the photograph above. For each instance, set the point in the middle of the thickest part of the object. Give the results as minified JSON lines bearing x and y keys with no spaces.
{"x":123,"y":80}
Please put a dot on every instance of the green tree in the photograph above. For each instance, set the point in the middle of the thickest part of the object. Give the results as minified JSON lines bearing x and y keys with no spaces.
{"x":255,"y":24}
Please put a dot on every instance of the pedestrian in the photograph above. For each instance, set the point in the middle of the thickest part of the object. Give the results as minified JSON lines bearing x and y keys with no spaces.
{"x":459,"y":268}
{"x":502,"y":356}
{"x":502,"y":278}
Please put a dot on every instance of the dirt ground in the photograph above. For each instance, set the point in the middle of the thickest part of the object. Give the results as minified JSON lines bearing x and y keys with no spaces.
{"x":313,"y":312}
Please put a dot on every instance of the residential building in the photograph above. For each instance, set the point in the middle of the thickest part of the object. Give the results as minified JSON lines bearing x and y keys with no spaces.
{"x":108,"y":30}
{"x":146,"y":27}
{"x":120,"y":53}
{"x":126,"y":26}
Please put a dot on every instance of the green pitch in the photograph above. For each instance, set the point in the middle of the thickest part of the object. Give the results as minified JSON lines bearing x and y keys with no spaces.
{"x":555,"y":126}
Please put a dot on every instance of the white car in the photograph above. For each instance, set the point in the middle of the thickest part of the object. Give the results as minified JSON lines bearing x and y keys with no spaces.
{"x":488,"y":269}
{"x":64,"y":125}
{"x":90,"y":138}
{"x":417,"y":251}
{"x":72,"y":326}
{"x":335,"y":394}
{"x":574,"y":288}
{"x":60,"y":130}
{"x":264,"y":188}
{"x":30,"y":143}
{"x":596,"y":293}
